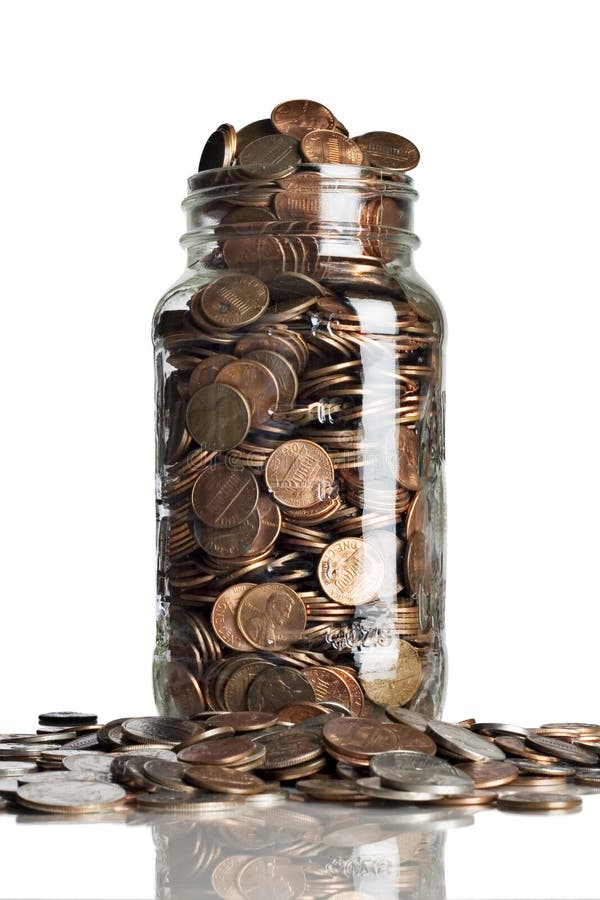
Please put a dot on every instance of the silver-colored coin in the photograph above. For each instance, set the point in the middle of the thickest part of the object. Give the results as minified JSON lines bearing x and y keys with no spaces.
{"x":408,"y":771}
{"x":70,"y":796}
{"x":9,"y":788}
{"x":494,"y":728}
{"x":196,"y":801}
{"x":267,"y":798}
{"x":62,"y":775}
{"x":88,"y":762}
{"x":408,"y":717}
{"x":462,"y":742}
{"x":20,"y":751}
{"x":148,"y":752}
{"x":529,"y":767}
{"x":588,"y":776}
{"x":12,"y":768}
{"x":372,"y":786}
{"x":160,"y":730}
{"x":563,"y":750}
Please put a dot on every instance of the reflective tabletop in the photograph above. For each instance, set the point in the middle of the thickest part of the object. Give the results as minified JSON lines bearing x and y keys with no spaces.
{"x":303,"y":850}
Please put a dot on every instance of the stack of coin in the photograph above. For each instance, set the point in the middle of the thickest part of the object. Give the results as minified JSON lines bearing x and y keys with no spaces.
{"x":300,"y":496}
{"x":216,"y":761}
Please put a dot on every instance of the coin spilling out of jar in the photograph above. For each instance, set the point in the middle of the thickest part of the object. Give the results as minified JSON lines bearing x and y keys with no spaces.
{"x":300,"y":434}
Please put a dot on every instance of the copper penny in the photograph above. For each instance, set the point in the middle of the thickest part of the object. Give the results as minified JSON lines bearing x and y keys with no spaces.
{"x":531,"y":801}
{"x":323,"y":146}
{"x":236,"y":687}
{"x":412,"y":739}
{"x":417,"y":565}
{"x":219,"y":752}
{"x":223,"y":618}
{"x":516,"y":746}
{"x":289,"y":748}
{"x":218,"y":417}
{"x":387,"y":150}
{"x":402,"y":455}
{"x":475,"y":798}
{"x":234,"y":300}
{"x":219,"y":150}
{"x":351,"y":571}
{"x":301,"y":712}
{"x":415,"y":514}
{"x":252,"y":131}
{"x":269,"y":526}
{"x":271,"y":616}
{"x":298,"y":117}
{"x":181,"y":690}
{"x":276,"y":687}
{"x":396,"y":685}
{"x":223,"y":497}
{"x":271,"y":876}
{"x":283,"y":372}
{"x":271,"y":156}
{"x":256,"y":383}
{"x":228,"y":543}
{"x":244,"y":721}
{"x":490,"y":774}
{"x":328,"y":684}
{"x":205,"y":372}
{"x":223,"y":780}
{"x":302,"y":198}
{"x":361,"y":738}
{"x":299,"y":473}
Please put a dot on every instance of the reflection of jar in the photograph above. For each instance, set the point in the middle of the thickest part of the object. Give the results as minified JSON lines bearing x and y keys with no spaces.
{"x":301,"y":517}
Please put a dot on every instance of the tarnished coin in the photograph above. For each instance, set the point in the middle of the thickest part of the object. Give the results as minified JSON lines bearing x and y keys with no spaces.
{"x":223,"y":780}
{"x":224,"y":877}
{"x":206,"y":371}
{"x":496,"y":728}
{"x":562,"y":750}
{"x":223,"y":617}
{"x":489,"y":774}
{"x":182,"y":693}
{"x":529,"y":767}
{"x":257,"y":384}
{"x":387,"y":150}
{"x":325,"y":788}
{"x":219,"y":752}
{"x":277,"y":686}
{"x":271,"y":878}
{"x":219,"y":150}
{"x":218,"y":417}
{"x":351,"y":571}
{"x":223,"y":497}
{"x":299,"y":473}
{"x":165,"y":774}
{"x":417,"y":771}
{"x":232,"y":542}
{"x":289,"y":748}
{"x":67,"y":718}
{"x":272,"y":156}
{"x":178,"y":801}
{"x":298,"y":117}
{"x":323,"y":146}
{"x":252,"y":131}
{"x":372,"y":786}
{"x":360,"y":737}
{"x":525,"y":801}
{"x":88,"y":762}
{"x":399,"y":683}
{"x":159,"y":730}
{"x":462,"y":742}
{"x":283,"y":372}
{"x":70,"y":796}
{"x":269,"y":526}
{"x":243,"y":721}
{"x":234,"y":300}
{"x":407,"y":717}
{"x":271,"y":616}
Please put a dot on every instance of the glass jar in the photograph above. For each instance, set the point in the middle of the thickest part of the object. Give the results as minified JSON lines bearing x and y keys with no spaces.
{"x":300,"y":450}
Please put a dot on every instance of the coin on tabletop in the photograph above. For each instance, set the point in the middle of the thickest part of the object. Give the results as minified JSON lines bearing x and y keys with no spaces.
{"x":165,"y":773}
{"x":219,"y":752}
{"x":418,"y":771}
{"x":194,"y":801}
{"x":562,"y":750}
{"x":223,"y":780}
{"x":299,"y":473}
{"x":70,"y":796}
{"x":361,"y":737}
{"x":10,"y":768}
{"x":271,"y":616}
{"x":462,"y":742}
{"x":234,"y":300}
{"x":372,"y":786}
{"x":88,"y":762}
{"x":159,"y":729}
{"x":351,"y":571}
{"x":67,"y":718}
{"x":489,"y":773}
{"x":243,"y":721}
{"x":407,"y":717}
{"x":525,"y":801}
{"x":298,"y":117}
{"x":218,"y":417}
{"x":289,"y":748}
{"x":223,"y":497}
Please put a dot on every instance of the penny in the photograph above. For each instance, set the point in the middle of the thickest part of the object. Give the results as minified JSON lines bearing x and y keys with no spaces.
{"x":234,"y":300}
{"x":407,"y":717}
{"x":257,"y":384}
{"x":463,"y":743}
{"x":223,"y":497}
{"x":224,"y":877}
{"x":499,"y":728}
{"x":271,"y":878}
{"x":223,"y":780}
{"x":562,"y":750}
{"x":329,"y":683}
{"x":229,"y":543}
{"x":252,"y":131}
{"x":523,"y":801}
{"x":244,"y":721}
{"x":323,"y":788}
{"x":195,"y":801}
{"x":165,"y":773}
{"x":475,"y":798}
{"x":271,"y":156}
{"x":298,"y":117}
{"x":219,"y":752}
{"x":490,"y":774}
{"x":515,"y":746}
{"x":388,"y":150}
{"x":268,"y":528}
{"x":300,"y":712}
{"x":70,"y":796}
{"x":289,"y":748}
{"x":399,"y":683}
{"x":206,"y":371}
{"x":418,"y":771}
{"x":236,"y":687}
{"x":223,"y":617}
{"x":283,"y":372}
{"x":529,"y":767}
{"x":577,"y":728}
{"x":271,"y":616}
{"x":276,"y":687}
{"x":219,"y":150}
{"x":218,"y":417}
{"x":351,"y":571}
{"x":299,"y":473}
{"x":183,"y":694}
{"x":208,"y":735}
{"x":411,"y":739}
{"x":415,"y":514}
{"x":325,"y":146}
{"x":417,"y":565}
{"x":362,"y":737}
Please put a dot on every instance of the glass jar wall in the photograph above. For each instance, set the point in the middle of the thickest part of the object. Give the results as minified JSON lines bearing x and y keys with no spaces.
{"x":300,"y":491}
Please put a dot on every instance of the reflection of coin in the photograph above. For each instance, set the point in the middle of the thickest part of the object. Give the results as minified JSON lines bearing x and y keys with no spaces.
{"x":271,"y":616}
{"x":257,"y":384}
{"x":233,"y":300}
{"x":224,"y":497}
{"x":276,"y":687}
{"x":299,"y":473}
{"x":351,"y":571}
{"x":218,"y":417}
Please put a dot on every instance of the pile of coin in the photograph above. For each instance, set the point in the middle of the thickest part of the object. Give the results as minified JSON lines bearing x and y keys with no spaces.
{"x":300,"y":493}
{"x":214,"y":761}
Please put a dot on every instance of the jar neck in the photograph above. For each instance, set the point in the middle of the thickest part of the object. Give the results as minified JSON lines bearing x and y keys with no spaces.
{"x":332,"y":217}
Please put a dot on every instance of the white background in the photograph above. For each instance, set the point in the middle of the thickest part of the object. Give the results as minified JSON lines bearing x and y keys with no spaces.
{"x":105,"y":109}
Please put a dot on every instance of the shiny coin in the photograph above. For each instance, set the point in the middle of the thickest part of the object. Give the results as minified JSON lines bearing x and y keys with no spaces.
{"x":271,"y":617}
{"x":243,"y":721}
{"x":324,"y":146}
{"x":88,"y":762}
{"x":360,"y":737}
{"x":70,"y":796}
{"x":524,"y":801}
{"x":219,"y":150}
{"x":324,"y":788}
{"x":218,"y":417}
{"x":495,"y":728}
{"x":223,"y":497}
{"x":417,"y":771}
{"x":589,"y":776}
{"x":219,"y":752}
{"x":234,"y":300}
{"x":283,"y":372}
{"x":289,"y":748}
{"x":223,"y":780}
{"x":159,"y":730}
{"x":12,"y":768}
{"x":371,"y":785}
{"x":475,"y":798}
{"x":387,"y":150}
{"x":529,"y":767}
{"x":351,"y":571}
{"x":223,"y":617}
{"x":562,"y":750}
{"x":20,"y":751}
{"x":298,"y":117}
{"x":462,"y":742}
{"x":488,"y":774}
{"x":299,"y":473}
{"x":177,"y":801}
